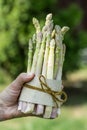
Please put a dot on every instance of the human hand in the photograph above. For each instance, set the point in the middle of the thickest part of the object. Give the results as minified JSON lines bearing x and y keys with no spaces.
{"x":9,"y":98}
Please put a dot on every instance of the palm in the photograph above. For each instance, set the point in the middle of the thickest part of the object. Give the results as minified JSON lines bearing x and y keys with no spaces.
{"x":9,"y":97}
{"x":10,"y":101}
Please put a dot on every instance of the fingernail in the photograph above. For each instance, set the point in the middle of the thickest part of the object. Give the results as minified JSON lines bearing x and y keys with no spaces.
{"x":29,"y":74}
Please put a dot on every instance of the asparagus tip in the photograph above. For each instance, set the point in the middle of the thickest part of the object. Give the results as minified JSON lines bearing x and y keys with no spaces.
{"x":36,"y":24}
{"x":34,"y":20}
{"x":57,"y":28}
{"x":49,"y":16}
{"x":64,"y":29}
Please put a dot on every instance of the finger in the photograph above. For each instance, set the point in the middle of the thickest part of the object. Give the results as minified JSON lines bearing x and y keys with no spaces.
{"x":20,"y":80}
{"x":23,"y":78}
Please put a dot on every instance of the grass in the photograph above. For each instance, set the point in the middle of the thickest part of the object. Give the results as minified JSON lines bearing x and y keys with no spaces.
{"x":72,"y":118}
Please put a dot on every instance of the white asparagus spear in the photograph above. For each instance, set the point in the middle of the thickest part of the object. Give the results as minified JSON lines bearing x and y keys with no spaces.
{"x":59,"y":111}
{"x":44,"y":69}
{"x":49,"y":27}
{"x":39,"y":109}
{"x":24,"y":106}
{"x":30,"y":56}
{"x":20,"y":105}
{"x":34,"y":42}
{"x":54,"y":113}
{"x":58,"y":42}
{"x":62,"y":52}
{"x":35,"y":57}
{"x":48,"y":22}
{"x":48,"y":111}
{"x":40,"y":56}
{"x":29,"y":108}
{"x":50,"y":68}
{"x":38,"y":44}
{"x":59,"y":74}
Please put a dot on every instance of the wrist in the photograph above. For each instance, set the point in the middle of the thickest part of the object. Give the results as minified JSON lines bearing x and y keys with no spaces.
{"x":2,"y":111}
{"x":1,"y":100}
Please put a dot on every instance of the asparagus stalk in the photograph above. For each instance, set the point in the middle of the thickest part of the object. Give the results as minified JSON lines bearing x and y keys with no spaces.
{"x":39,"y":109}
{"x":54,"y":112}
{"x":48,"y":111}
{"x":62,"y":54}
{"x":44,"y":70}
{"x":30,"y":56}
{"x":49,"y":25}
{"x":58,"y":41}
{"x":38,"y":43}
{"x":20,"y":105}
{"x":24,"y":105}
{"x":64,"y":51}
{"x":40,"y":56}
{"x":29,"y":108}
{"x":50,"y":67}
{"x":59,"y":75}
{"x":34,"y":42}
{"x":58,"y":111}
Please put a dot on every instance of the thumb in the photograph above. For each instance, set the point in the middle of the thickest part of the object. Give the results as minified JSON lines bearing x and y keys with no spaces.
{"x":20,"y":80}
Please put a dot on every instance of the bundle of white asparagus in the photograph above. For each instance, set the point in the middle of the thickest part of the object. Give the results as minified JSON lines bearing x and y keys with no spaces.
{"x":43,"y":95}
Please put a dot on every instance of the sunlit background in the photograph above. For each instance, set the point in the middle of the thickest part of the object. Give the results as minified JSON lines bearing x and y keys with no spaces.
{"x":15,"y":30}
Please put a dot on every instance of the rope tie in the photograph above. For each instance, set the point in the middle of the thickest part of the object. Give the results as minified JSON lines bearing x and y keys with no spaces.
{"x":56,"y":96}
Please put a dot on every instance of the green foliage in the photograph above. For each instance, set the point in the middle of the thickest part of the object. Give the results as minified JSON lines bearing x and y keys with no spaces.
{"x":16,"y":28}
{"x":5,"y":79}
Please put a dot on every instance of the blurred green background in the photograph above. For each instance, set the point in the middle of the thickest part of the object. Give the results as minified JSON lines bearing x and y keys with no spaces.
{"x":15,"y":30}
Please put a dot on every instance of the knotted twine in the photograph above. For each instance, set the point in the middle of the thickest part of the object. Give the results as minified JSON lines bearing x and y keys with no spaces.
{"x":45,"y":88}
